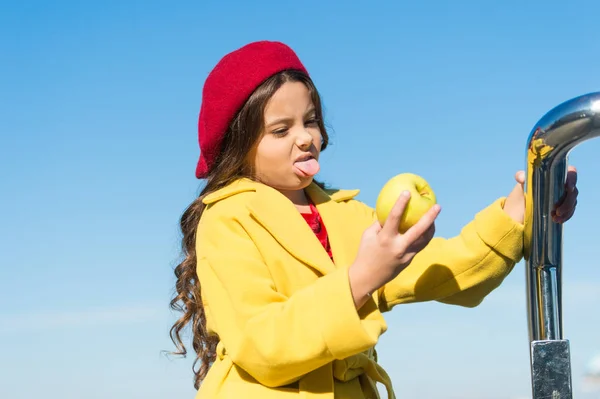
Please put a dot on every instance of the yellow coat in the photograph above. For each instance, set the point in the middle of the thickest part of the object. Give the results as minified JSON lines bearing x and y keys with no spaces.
{"x":283,"y":310}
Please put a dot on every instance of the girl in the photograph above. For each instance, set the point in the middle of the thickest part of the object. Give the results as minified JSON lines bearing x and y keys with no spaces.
{"x":285,"y":282}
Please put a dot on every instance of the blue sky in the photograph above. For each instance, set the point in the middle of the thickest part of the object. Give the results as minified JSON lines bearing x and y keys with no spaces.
{"x":98,"y":110}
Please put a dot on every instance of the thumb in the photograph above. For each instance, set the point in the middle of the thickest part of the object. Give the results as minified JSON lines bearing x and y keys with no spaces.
{"x":520,"y":177}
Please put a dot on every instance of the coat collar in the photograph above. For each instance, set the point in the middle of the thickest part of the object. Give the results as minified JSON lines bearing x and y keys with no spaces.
{"x":268,"y":207}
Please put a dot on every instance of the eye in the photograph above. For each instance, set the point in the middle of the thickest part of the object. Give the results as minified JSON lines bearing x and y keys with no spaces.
{"x":280,"y":132}
{"x":312,"y":121}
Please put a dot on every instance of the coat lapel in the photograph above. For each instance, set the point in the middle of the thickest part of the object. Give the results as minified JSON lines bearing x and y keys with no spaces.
{"x":271,"y":209}
{"x":342,"y":235}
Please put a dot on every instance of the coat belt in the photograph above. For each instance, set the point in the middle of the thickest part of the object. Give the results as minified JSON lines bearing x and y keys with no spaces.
{"x":346,"y":370}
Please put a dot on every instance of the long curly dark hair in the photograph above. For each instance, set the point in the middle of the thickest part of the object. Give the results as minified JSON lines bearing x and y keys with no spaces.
{"x":241,"y":136}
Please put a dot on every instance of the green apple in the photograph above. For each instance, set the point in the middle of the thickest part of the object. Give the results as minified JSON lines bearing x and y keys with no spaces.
{"x":422,"y":198}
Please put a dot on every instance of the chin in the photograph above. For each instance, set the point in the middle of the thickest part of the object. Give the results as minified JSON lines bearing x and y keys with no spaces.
{"x":297,"y":183}
{"x":305,"y":182}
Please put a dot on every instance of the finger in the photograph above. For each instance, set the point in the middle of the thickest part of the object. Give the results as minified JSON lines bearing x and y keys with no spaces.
{"x":430,"y":232}
{"x":567,"y":199}
{"x":422,"y":241}
{"x":422,"y":225}
{"x":568,"y":204}
{"x":563,"y":218}
{"x":571,"y":180}
{"x":428,"y":235}
{"x":520,"y":177}
{"x":567,"y":217}
{"x":570,"y":187}
{"x":392,"y":223}
{"x":376,"y":227}
{"x":372,"y":230}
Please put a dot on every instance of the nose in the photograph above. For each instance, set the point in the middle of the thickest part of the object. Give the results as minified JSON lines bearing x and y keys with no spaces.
{"x":304,"y":139}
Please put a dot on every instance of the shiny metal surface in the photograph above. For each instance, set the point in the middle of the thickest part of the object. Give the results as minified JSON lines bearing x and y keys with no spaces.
{"x":551,"y":369}
{"x":548,"y":147}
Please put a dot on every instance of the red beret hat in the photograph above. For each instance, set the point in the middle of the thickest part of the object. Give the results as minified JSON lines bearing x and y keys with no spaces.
{"x":229,"y":85}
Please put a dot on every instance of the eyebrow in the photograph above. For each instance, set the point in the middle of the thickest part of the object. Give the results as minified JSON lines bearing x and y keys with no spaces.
{"x":311,"y":110}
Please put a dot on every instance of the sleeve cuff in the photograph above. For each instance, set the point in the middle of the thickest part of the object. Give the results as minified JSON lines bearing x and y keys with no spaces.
{"x":499,"y":231}
{"x":344,"y":331}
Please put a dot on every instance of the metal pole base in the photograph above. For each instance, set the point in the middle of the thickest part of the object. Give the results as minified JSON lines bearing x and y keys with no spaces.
{"x":551,"y":369}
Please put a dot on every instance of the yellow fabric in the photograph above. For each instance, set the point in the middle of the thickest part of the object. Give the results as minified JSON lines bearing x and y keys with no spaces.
{"x":283,"y":310}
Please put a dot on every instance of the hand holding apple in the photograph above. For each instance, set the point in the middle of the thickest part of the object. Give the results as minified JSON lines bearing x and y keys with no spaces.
{"x":384,"y":251}
{"x":422,"y":198}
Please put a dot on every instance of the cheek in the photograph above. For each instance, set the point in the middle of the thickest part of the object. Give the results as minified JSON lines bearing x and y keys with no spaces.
{"x":317,"y":140}
{"x":271,"y":154}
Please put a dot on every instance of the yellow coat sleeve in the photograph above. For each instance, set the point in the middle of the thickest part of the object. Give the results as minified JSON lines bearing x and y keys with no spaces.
{"x":461,"y":270}
{"x":464,"y":269}
{"x":274,"y":338}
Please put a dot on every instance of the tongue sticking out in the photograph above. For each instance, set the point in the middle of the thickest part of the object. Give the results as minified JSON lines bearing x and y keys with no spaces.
{"x":309,"y":167}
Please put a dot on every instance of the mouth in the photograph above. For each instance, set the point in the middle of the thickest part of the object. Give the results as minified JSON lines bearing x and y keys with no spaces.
{"x":306,"y":165}
{"x":304,"y":157}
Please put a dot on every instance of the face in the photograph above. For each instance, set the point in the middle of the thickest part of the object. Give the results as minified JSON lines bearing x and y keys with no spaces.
{"x":287,"y":153}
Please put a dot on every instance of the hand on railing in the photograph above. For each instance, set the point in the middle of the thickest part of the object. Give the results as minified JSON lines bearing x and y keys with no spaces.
{"x":564,"y":209}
